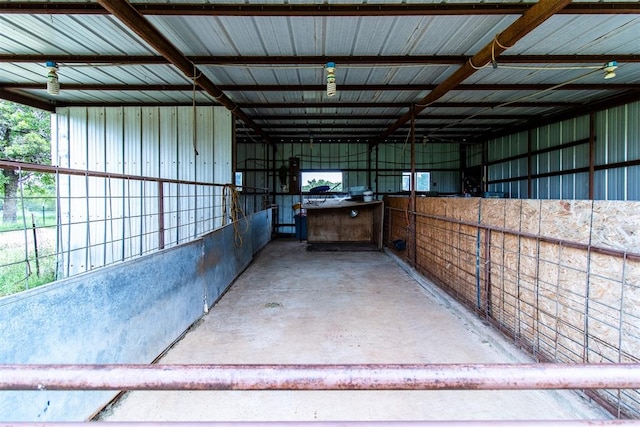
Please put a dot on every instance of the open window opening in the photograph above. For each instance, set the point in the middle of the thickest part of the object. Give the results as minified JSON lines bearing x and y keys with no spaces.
{"x":321,"y":181}
{"x":238,"y":181}
{"x":423,"y":181}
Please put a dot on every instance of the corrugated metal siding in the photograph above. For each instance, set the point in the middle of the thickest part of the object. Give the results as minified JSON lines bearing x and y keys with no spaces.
{"x":222,"y":154}
{"x":352,"y":159}
{"x":502,"y":148}
{"x":617,"y":184}
{"x":633,"y":125}
{"x":254,"y":156}
{"x":115,"y":219}
{"x":474,"y":155}
{"x":204,"y":167}
{"x":514,"y":189}
{"x":365,"y":35}
{"x":617,"y":140}
{"x":633,"y":189}
{"x":114,"y":162}
{"x":600,"y":185}
{"x":617,"y":136}
{"x":507,"y":146}
{"x":446,"y":182}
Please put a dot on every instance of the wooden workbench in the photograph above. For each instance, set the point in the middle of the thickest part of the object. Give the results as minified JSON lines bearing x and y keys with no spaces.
{"x":332,"y":222}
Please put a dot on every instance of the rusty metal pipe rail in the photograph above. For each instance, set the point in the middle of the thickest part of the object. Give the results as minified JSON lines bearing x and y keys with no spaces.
{"x":471,"y":423}
{"x":321,"y":377}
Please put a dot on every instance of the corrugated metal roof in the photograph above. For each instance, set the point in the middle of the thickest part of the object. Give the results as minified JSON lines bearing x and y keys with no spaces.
{"x":402,"y":56}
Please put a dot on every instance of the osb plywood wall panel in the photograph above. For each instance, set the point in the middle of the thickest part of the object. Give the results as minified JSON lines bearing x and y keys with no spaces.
{"x":446,"y":245}
{"x":555,"y":281}
{"x":630,"y":317}
{"x":616,"y":225}
{"x":566,"y":220}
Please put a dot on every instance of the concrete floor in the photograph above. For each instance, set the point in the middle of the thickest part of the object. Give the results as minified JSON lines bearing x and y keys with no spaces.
{"x":295,"y":306}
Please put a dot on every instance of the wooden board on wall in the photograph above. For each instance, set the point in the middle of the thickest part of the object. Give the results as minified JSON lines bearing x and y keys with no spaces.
{"x":566,"y":220}
{"x":331,"y":223}
{"x":616,"y":225}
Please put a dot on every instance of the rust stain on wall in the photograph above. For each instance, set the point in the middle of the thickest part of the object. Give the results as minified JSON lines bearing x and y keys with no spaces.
{"x":209,"y":260}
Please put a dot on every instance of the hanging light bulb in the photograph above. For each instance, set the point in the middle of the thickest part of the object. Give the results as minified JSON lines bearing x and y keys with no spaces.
{"x":331,"y":79}
{"x":53,"y":85}
{"x":610,"y":69}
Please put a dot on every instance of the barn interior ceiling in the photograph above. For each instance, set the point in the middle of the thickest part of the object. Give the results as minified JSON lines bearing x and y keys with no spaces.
{"x":459,"y":71}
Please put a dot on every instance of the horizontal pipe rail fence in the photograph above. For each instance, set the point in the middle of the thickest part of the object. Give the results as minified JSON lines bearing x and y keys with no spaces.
{"x":321,"y":377}
{"x":472,"y":423}
{"x":97,"y":218}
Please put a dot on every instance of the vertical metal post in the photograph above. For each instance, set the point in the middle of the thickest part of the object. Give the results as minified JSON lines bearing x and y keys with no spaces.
{"x":412,"y":202}
{"x":24,"y":227}
{"x":35,"y":243}
{"x":377,"y":179}
{"x":484,"y":187}
{"x":487,"y":272}
{"x":592,"y":154}
{"x":369,"y":167}
{"x":160,"y":214}
{"x":529,"y":164}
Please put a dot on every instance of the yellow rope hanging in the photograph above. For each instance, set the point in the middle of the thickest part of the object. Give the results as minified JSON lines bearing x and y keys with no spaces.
{"x":235,"y":214}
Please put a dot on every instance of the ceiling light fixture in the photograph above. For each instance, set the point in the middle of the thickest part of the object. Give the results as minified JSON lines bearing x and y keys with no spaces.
{"x":331,"y":78}
{"x":610,"y":69}
{"x":53,"y":85}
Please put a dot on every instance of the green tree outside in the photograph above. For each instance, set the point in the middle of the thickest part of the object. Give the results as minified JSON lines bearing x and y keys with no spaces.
{"x":25,"y":135}
{"x":333,"y":186}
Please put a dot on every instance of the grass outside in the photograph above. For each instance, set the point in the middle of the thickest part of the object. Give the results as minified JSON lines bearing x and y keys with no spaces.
{"x":18,"y":268}
{"x":48,"y":218}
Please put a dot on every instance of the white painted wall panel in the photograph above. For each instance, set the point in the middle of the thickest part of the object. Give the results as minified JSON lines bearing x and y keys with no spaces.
{"x":60,"y":157}
{"x":168,"y":168}
{"x":110,"y":219}
{"x":78,"y":256}
{"x":133,"y":190}
{"x":150,"y":144}
{"x":114,"y":162}
{"x":96,"y":205}
{"x":222,"y":154}
{"x":204,"y":167}
{"x":186,"y":171}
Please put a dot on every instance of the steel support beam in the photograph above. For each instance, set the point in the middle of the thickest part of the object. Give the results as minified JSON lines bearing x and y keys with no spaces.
{"x":321,"y":377}
{"x":129,"y":16}
{"x":333,"y":105}
{"x":320,"y":88}
{"x":26,"y":100}
{"x":362,"y":9}
{"x":249,"y":60}
{"x":532,"y":18}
